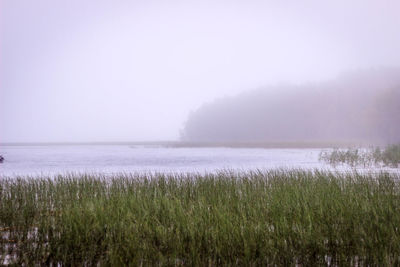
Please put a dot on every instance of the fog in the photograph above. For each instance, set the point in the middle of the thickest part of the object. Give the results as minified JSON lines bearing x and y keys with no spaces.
{"x":357,"y":108}
{"x":96,"y":70}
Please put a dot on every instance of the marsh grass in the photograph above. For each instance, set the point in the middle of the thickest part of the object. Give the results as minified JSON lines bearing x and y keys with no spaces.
{"x":254,"y":218}
{"x":388,"y":157}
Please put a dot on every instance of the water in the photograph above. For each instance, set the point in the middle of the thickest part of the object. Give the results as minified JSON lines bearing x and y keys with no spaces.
{"x":108,"y":159}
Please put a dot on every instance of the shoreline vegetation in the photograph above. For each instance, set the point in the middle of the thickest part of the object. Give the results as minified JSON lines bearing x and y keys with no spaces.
{"x":362,"y":106}
{"x":277,"y":217}
{"x":353,"y":157}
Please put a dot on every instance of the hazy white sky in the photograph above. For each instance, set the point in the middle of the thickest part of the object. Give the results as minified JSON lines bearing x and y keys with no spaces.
{"x":96,"y":70}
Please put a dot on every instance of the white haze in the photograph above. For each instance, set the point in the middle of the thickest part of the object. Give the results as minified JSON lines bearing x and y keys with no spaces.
{"x":94,"y":70}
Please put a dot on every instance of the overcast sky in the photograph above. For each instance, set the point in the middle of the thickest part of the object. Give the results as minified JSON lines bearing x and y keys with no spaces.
{"x":96,"y":70}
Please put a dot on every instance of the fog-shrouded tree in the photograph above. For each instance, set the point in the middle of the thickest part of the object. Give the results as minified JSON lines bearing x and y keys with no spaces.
{"x":361,"y":106}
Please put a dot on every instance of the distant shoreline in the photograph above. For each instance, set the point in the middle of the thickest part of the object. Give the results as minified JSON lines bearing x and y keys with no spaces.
{"x":187,"y":144}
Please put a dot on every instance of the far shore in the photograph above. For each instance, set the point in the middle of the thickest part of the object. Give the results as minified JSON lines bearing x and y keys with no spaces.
{"x":214,"y":144}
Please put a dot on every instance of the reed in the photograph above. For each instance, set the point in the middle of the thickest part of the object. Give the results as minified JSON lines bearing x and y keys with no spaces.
{"x":280,"y":217}
{"x":375,"y":156}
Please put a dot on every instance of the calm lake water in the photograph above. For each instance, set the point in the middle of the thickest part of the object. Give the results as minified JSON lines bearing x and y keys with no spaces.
{"x":108,"y":159}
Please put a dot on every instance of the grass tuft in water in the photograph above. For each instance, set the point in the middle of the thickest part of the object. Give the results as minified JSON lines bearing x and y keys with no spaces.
{"x":389,"y":157}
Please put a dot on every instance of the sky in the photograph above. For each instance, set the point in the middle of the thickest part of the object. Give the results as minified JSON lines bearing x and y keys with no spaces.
{"x":119,"y":70}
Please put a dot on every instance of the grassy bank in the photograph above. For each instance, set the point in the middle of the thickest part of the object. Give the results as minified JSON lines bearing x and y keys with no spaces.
{"x":260,"y":218}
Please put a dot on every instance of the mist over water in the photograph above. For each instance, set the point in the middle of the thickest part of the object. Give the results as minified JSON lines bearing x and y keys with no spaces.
{"x":115,"y":159}
{"x":199,"y":132}
{"x":94,"y":71}
{"x":361,"y":107}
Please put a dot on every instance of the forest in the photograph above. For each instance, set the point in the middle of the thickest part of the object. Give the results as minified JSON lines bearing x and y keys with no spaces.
{"x":361,"y":107}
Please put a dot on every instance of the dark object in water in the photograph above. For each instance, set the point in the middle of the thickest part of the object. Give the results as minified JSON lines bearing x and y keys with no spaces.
{"x":1,"y":159}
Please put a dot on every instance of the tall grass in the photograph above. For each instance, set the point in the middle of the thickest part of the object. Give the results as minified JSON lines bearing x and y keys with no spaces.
{"x":389,"y":156}
{"x":255,"y":218}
